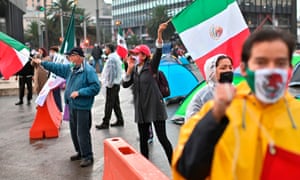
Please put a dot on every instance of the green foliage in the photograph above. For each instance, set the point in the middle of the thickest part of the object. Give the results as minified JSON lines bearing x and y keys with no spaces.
{"x":64,"y":8}
{"x":31,"y":34}
{"x":160,"y":15}
{"x":132,"y":41}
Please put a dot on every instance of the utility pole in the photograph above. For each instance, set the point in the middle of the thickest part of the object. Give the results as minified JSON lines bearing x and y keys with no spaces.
{"x":97,"y":22}
{"x":46,"y":26}
{"x":39,"y":30}
{"x":84,"y":29}
{"x":61,"y":23}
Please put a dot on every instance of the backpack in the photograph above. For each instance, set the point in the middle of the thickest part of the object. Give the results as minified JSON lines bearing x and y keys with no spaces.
{"x":162,"y":83}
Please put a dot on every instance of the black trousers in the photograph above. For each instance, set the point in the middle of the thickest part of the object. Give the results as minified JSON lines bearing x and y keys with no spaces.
{"x":160,"y":130}
{"x":112,"y":103}
{"x":22,"y":81}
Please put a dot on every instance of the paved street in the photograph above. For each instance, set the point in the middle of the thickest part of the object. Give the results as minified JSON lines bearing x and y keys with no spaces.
{"x":48,"y":159}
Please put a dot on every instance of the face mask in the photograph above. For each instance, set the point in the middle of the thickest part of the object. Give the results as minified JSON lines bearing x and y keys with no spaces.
{"x":226,"y":77}
{"x":51,"y":55}
{"x":268,"y":85}
{"x":137,"y":59}
{"x":72,"y":65}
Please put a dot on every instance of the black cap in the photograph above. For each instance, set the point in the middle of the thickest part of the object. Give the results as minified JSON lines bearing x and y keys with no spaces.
{"x":76,"y":51}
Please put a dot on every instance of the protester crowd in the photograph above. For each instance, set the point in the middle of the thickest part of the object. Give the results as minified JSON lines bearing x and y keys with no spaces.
{"x":229,"y":132}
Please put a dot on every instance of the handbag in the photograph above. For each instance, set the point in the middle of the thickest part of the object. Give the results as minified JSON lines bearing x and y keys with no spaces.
{"x":66,"y":116}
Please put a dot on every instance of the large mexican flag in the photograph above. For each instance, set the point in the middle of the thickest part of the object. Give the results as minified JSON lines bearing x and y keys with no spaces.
{"x":13,"y":55}
{"x":209,"y":27}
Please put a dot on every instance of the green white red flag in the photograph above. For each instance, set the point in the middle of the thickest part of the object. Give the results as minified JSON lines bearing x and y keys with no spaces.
{"x":122,"y":50}
{"x":209,"y":27}
{"x":67,"y":45}
{"x":13,"y":55}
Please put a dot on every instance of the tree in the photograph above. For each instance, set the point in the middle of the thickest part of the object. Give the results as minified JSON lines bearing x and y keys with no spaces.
{"x":31,"y":34}
{"x":160,"y":15}
{"x":132,"y":41}
{"x":64,"y":8}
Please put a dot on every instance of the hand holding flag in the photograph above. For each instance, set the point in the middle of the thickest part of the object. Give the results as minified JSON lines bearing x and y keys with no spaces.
{"x":13,"y":55}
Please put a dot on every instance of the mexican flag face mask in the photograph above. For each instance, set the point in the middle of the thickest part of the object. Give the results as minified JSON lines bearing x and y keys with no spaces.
{"x":268,"y":85}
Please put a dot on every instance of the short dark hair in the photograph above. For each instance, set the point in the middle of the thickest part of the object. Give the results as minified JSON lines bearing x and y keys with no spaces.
{"x":268,"y":35}
{"x":111,"y":47}
{"x":54,"y":48}
{"x":223,"y":57}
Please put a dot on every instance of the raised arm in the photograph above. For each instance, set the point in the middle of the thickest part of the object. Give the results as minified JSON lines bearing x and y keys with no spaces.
{"x":159,"y":44}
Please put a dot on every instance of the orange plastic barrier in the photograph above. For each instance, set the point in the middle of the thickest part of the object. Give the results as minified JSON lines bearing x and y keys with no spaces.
{"x":47,"y":120}
{"x":123,"y":162}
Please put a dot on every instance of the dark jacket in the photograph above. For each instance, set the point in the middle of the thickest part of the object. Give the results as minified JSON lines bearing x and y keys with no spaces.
{"x":96,"y":53}
{"x":84,"y":80}
{"x":27,"y":70}
{"x":148,"y":102}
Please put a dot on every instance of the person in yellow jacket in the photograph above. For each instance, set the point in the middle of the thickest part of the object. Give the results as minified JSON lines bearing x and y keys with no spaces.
{"x":243,"y":131}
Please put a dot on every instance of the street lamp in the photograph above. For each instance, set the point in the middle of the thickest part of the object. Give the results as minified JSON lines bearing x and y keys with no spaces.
{"x":97,"y":22}
{"x":61,"y":19}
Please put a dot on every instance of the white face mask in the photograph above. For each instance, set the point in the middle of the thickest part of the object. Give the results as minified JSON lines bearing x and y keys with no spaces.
{"x":137,"y":59}
{"x":268,"y":85}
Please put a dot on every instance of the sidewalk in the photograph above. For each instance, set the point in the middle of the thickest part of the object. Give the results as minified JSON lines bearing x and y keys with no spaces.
{"x":9,"y":87}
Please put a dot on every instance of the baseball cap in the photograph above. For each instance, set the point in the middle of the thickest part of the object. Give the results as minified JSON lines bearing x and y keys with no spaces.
{"x":76,"y":51}
{"x":141,"y":49}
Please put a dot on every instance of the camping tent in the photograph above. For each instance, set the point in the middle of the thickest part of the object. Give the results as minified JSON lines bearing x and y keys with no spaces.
{"x":179,"y":115}
{"x":181,"y":80}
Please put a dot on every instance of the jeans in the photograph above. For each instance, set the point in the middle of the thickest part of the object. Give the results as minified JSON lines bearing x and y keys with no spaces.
{"x":98,"y":61}
{"x":80,"y":125}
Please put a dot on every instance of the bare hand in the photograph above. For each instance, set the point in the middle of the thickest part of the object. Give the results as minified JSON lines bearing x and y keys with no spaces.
{"x":74,"y":94}
{"x":131,"y":64}
{"x":224,"y":94}
{"x":163,"y":26}
{"x":36,"y":60}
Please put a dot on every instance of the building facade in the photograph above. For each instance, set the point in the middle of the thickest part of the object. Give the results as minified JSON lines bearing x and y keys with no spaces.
{"x":134,"y":14}
{"x":270,"y":13}
{"x":11,"y":18}
{"x":105,"y":17}
{"x":258,"y":13}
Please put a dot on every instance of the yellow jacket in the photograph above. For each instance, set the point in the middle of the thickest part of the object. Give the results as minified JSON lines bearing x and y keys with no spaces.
{"x":240,"y":151}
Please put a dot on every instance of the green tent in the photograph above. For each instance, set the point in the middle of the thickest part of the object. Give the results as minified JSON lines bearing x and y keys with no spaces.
{"x":179,"y":115}
{"x":296,"y":59}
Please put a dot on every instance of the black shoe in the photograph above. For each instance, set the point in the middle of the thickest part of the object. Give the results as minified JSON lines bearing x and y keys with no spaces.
{"x":118,"y":123}
{"x":102,"y":126}
{"x":86,"y":162}
{"x":75,"y":157}
{"x":19,"y":103}
{"x":28,"y":102}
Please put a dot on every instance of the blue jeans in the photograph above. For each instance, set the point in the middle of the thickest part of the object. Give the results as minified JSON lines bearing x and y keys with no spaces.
{"x":98,"y":61}
{"x":80,"y":125}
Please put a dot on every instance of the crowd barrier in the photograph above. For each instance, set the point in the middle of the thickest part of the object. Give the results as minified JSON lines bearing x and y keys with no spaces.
{"x":47,"y":120}
{"x":123,"y":162}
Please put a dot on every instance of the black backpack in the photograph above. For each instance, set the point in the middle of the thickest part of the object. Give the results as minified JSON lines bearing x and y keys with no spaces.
{"x":162,"y":83}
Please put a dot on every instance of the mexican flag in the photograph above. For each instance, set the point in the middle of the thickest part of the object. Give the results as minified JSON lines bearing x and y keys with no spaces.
{"x":208,"y":28}
{"x":54,"y":80}
{"x":121,"y":45}
{"x":13,"y":55}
